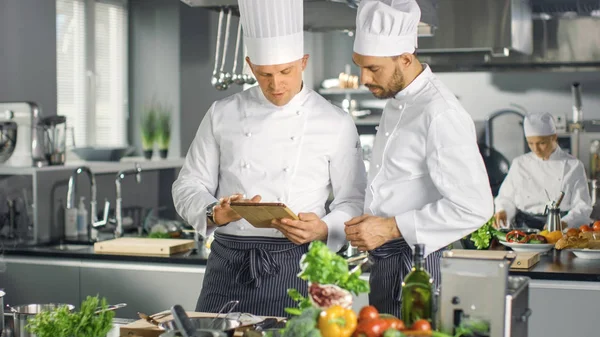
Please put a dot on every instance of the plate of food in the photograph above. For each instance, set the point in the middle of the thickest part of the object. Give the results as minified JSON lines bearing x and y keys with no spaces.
{"x":586,"y":253}
{"x":520,"y":241}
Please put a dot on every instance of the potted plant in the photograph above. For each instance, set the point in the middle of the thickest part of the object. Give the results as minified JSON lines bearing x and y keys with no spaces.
{"x":163,"y":130}
{"x":148,"y":130}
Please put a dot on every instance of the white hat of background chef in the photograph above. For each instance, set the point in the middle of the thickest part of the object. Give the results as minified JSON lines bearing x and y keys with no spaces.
{"x":539,"y":124}
{"x":273,"y":30}
{"x":386,"y":27}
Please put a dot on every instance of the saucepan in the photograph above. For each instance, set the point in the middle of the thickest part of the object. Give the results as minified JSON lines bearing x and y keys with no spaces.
{"x":21,"y":313}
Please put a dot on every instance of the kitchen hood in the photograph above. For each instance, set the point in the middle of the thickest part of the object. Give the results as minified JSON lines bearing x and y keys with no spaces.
{"x":334,"y":15}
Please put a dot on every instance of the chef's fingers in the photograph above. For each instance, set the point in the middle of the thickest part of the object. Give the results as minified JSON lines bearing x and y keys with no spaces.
{"x":256,"y":198}
{"x":308,"y":216}
{"x":292,"y":223}
{"x":236,"y":197}
{"x":356,"y":220}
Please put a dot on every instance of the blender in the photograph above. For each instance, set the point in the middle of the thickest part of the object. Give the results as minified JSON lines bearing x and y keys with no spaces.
{"x":55,"y":135}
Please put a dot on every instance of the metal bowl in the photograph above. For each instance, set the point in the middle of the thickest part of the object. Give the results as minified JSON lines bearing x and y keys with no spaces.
{"x":8,"y":140}
{"x":220,"y":324}
{"x":91,"y":153}
{"x":21,"y":313}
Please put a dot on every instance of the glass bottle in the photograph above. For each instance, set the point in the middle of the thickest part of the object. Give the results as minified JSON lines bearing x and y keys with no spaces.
{"x":417,"y":290}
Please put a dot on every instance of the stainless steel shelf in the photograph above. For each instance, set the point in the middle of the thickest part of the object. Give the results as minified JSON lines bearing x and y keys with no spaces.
{"x":341,"y":91}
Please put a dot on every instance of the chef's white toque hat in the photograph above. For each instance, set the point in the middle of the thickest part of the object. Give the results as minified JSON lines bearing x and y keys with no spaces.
{"x":539,"y":124}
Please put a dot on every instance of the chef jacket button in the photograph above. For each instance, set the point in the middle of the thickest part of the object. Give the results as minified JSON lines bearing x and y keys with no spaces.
{"x":286,"y":169}
{"x":293,"y":138}
{"x":248,"y":134}
{"x":387,"y":134}
{"x":377,"y":166}
{"x":246,"y":165}
{"x":298,"y":112}
{"x":279,"y":199}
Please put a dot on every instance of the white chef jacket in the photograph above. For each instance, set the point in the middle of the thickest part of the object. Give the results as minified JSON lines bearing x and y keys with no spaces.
{"x":426,"y":169}
{"x":529,"y":177}
{"x":297,"y":154}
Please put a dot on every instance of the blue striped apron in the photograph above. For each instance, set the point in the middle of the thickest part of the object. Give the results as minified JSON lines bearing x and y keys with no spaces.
{"x":257,"y":271}
{"x":391,"y":263}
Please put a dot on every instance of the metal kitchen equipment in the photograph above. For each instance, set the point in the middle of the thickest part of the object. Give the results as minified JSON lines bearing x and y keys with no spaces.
{"x":237,"y":78}
{"x":553,"y":214}
{"x":225,"y":77}
{"x":215,"y":76}
{"x":27,"y":140}
{"x":22,"y":313}
{"x":55,"y":139}
{"x":480,"y":289}
{"x":2,"y":293}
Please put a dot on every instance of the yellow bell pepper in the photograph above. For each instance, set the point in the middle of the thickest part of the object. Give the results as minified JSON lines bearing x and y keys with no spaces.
{"x":337,"y":321}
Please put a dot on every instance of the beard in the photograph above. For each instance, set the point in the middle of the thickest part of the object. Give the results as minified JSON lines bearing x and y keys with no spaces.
{"x":395,"y":84}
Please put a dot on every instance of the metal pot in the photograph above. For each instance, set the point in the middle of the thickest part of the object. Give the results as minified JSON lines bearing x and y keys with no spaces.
{"x":2,"y":293}
{"x":22,"y":313}
{"x":8,"y":140}
{"x":225,"y":325}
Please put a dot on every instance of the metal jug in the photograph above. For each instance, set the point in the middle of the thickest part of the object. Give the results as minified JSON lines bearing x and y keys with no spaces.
{"x":553,"y":221}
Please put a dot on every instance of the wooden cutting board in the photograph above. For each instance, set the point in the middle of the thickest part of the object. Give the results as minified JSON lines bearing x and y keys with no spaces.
{"x":143,"y":246}
{"x":522,"y":260}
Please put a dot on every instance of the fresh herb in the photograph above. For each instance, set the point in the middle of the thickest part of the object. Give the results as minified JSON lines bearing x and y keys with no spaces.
{"x":163,"y":126}
{"x":84,"y":323}
{"x":321,"y":265}
{"x":483,"y":236}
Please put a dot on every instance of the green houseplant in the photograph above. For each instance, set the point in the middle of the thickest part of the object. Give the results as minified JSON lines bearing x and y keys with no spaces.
{"x":163,"y":129}
{"x":148,"y":130}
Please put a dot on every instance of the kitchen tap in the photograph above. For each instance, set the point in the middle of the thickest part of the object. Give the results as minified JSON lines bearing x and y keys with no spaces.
{"x":92,"y":232}
{"x":120,"y":176}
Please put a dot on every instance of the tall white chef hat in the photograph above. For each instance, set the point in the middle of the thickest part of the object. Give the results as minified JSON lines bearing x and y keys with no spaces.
{"x":273,"y":30}
{"x":386,"y":27}
{"x":539,"y":124}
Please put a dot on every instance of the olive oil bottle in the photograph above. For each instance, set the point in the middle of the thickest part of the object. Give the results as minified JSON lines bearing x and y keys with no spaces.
{"x":417,"y":290}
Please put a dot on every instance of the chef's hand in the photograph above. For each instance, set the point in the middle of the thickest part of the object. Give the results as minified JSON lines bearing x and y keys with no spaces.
{"x":367,"y":232}
{"x":309,"y":228}
{"x":500,"y":219}
{"x":224,"y":214}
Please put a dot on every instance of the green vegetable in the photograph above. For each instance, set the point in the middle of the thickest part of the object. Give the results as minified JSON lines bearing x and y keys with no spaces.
{"x":163,"y":126}
{"x":321,"y":265}
{"x":483,"y":236}
{"x":159,"y":235}
{"x":84,"y":323}
{"x":392,"y":333}
{"x":304,"y":325}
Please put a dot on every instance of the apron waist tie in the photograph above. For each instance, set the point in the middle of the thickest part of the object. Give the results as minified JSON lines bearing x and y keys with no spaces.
{"x":258,"y":262}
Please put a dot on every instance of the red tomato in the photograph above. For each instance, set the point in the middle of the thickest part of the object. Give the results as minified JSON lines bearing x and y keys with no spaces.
{"x":372,"y":328}
{"x":585,"y":228}
{"x":396,"y":323}
{"x":596,"y":226}
{"x":421,"y":325}
{"x":368,"y":313}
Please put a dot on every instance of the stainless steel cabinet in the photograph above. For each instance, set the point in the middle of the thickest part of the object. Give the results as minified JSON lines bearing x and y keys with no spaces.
{"x":40,"y":280}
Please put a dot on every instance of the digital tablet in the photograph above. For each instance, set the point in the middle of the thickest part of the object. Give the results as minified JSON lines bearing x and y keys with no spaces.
{"x":260,"y":214}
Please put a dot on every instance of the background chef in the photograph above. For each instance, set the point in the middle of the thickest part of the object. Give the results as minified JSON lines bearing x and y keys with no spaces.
{"x":547,"y":168}
{"x":279,"y":142}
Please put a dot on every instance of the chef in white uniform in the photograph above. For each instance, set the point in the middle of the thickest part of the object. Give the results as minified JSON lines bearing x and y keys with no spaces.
{"x":427,"y":181}
{"x":276,"y":142}
{"x":522,"y":198}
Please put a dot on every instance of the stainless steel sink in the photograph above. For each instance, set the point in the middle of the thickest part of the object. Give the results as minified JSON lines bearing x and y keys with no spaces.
{"x":69,"y":247}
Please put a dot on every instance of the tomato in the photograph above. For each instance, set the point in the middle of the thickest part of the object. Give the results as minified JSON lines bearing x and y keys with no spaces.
{"x":421,"y":325}
{"x":572,"y":232}
{"x":368,"y":313}
{"x":517,"y":236}
{"x":372,"y":328}
{"x":585,"y":228}
{"x":596,"y":226}
{"x":396,"y":323}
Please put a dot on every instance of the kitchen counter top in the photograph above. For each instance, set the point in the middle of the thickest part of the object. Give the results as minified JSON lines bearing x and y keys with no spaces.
{"x":555,"y":265}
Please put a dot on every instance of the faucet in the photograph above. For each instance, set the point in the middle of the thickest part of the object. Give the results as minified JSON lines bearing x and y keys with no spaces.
{"x":489,"y":137}
{"x":120,"y":176}
{"x":71,"y":192}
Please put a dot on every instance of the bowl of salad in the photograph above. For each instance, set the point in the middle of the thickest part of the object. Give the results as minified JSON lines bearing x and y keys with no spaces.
{"x":520,"y":241}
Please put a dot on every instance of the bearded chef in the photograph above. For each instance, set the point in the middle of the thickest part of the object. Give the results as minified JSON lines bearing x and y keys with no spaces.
{"x":522,"y":198}
{"x":279,"y":142}
{"x":427,"y":182}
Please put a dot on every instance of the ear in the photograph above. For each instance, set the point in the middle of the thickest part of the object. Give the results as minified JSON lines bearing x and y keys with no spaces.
{"x":305,"y":61}
{"x":405,"y":60}
{"x":250,"y":65}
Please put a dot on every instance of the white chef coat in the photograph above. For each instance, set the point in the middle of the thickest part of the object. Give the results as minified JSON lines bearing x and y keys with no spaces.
{"x":426,"y":169}
{"x":529,"y":177}
{"x":297,"y":154}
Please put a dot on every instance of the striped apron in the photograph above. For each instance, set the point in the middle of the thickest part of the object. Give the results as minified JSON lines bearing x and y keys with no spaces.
{"x":256,"y":271}
{"x":391,"y":263}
